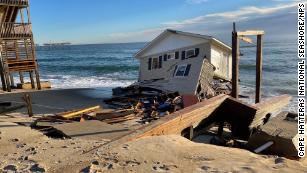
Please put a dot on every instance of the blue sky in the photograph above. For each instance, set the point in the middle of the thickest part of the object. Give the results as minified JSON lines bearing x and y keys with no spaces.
{"x":113,"y":21}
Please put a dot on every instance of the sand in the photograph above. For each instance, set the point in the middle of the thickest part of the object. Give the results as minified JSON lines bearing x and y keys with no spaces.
{"x":23,"y":149}
{"x":58,"y":100}
{"x":26,"y":150}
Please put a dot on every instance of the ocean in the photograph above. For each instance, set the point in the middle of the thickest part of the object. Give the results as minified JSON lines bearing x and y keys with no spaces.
{"x":104,"y":66}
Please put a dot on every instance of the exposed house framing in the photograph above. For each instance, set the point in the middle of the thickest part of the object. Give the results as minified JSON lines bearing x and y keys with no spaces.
{"x":236,"y":37}
{"x":17,"y":53}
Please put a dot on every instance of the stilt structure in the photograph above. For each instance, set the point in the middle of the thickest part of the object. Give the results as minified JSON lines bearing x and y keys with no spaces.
{"x":17,"y":48}
{"x":236,"y":37}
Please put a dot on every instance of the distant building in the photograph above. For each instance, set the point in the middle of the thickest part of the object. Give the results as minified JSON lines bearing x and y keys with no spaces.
{"x":175,"y":60}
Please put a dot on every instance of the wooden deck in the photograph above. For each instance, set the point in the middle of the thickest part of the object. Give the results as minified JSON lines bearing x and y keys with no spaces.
{"x":17,"y":45}
{"x":22,"y":3}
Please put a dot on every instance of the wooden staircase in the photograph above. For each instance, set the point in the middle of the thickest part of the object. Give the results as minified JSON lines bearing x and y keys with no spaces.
{"x":17,"y":45}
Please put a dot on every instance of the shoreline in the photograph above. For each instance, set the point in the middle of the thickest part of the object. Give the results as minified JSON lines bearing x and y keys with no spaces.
{"x":76,"y":98}
{"x":58,"y":100}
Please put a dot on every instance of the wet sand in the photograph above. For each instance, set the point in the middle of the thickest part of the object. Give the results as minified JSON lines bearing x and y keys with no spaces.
{"x":53,"y":101}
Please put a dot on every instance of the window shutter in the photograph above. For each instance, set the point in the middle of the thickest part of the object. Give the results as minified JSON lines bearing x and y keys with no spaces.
{"x":175,"y":70}
{"x":187,"y":70}
{"x":182,"y":55}
{"x":196,"y":52}
{"x":176,"y":55}
{"x":149,"y":63}
{"x":160,"y":61}
{"x":165,"y":57}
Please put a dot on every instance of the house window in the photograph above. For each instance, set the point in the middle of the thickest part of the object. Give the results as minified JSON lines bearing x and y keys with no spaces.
{"x":190,"y":53}
{"x":182,"y":70}
{"x":171,"y":56}
{"x":155,"y":63}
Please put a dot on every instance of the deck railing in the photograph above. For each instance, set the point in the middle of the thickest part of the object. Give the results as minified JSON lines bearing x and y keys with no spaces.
{"x":14,"y":2}
{"x":15,"y":30}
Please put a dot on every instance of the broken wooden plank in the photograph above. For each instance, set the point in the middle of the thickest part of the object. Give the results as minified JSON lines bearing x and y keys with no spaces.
{"x":175,"y":123}
{"x":246,"y":39}
{"x":282,"y":132}
{"x":111,"y":113}
{"x":120,"y":119}
{"x":269,"y":106}
{"x":76,"y":113}
{"x":92,"y":130}
{"x":250,"y":32}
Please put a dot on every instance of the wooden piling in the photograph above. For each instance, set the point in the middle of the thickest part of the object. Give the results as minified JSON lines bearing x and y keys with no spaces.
{"x":3,"y":81}
{"x":235,"y":63}
{"x":32,"y":80}
{"x":28,"y":100}
{"x":258,"y":68}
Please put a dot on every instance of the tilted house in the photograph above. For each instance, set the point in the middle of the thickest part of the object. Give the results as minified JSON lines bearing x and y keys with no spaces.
{"x":175,"y":61}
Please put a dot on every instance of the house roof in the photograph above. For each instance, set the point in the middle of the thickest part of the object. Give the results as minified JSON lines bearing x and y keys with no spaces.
{"x":170,"y":31}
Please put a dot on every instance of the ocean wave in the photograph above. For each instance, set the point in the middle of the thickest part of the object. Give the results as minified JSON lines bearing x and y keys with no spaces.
{"x":281,"y":69}
{"x":93,"y":69}
{"x":72,"y":81}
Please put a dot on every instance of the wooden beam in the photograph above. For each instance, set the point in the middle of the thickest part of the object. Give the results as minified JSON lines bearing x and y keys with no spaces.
{"x":246,"y":39}
{"x":258,"y":68}
{"x":268,"y":107}
{"x":250,"y":32}
{"x":72,"y":114}
{"x":235,"y":65}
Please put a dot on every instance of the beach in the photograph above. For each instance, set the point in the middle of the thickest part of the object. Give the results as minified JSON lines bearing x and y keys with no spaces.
{"x":26,"y":150}
{"x":59,"y":100}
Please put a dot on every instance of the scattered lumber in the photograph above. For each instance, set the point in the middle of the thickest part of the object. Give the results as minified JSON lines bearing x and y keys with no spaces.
{"x":77,"y":113}
{"x":243,"y":117}
{"x":112,"y":113}
{"x":218,"y":109}
{"x":281,"y":131}
{"x":120,"y":119}
{"x":178,"y":121}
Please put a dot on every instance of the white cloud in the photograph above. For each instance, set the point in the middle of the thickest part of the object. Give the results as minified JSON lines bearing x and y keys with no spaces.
{"x":243,"y":13}
{"x":200,"y":23}
{"x":196,"y":1}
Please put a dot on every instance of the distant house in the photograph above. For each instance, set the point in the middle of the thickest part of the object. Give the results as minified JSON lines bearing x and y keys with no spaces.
{"x":175,"y":60}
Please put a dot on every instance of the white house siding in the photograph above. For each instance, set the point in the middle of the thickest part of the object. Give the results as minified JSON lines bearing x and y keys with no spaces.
{"x":188,"y":83}
{"x":172,"y":42}
{"x":221,"y":59}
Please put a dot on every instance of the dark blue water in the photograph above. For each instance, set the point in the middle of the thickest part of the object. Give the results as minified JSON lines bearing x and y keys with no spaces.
{"x":89,"y":66}
{"x":112,"y":65}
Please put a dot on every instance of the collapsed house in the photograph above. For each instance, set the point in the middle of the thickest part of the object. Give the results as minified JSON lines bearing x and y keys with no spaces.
{"x":183,"y":62}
